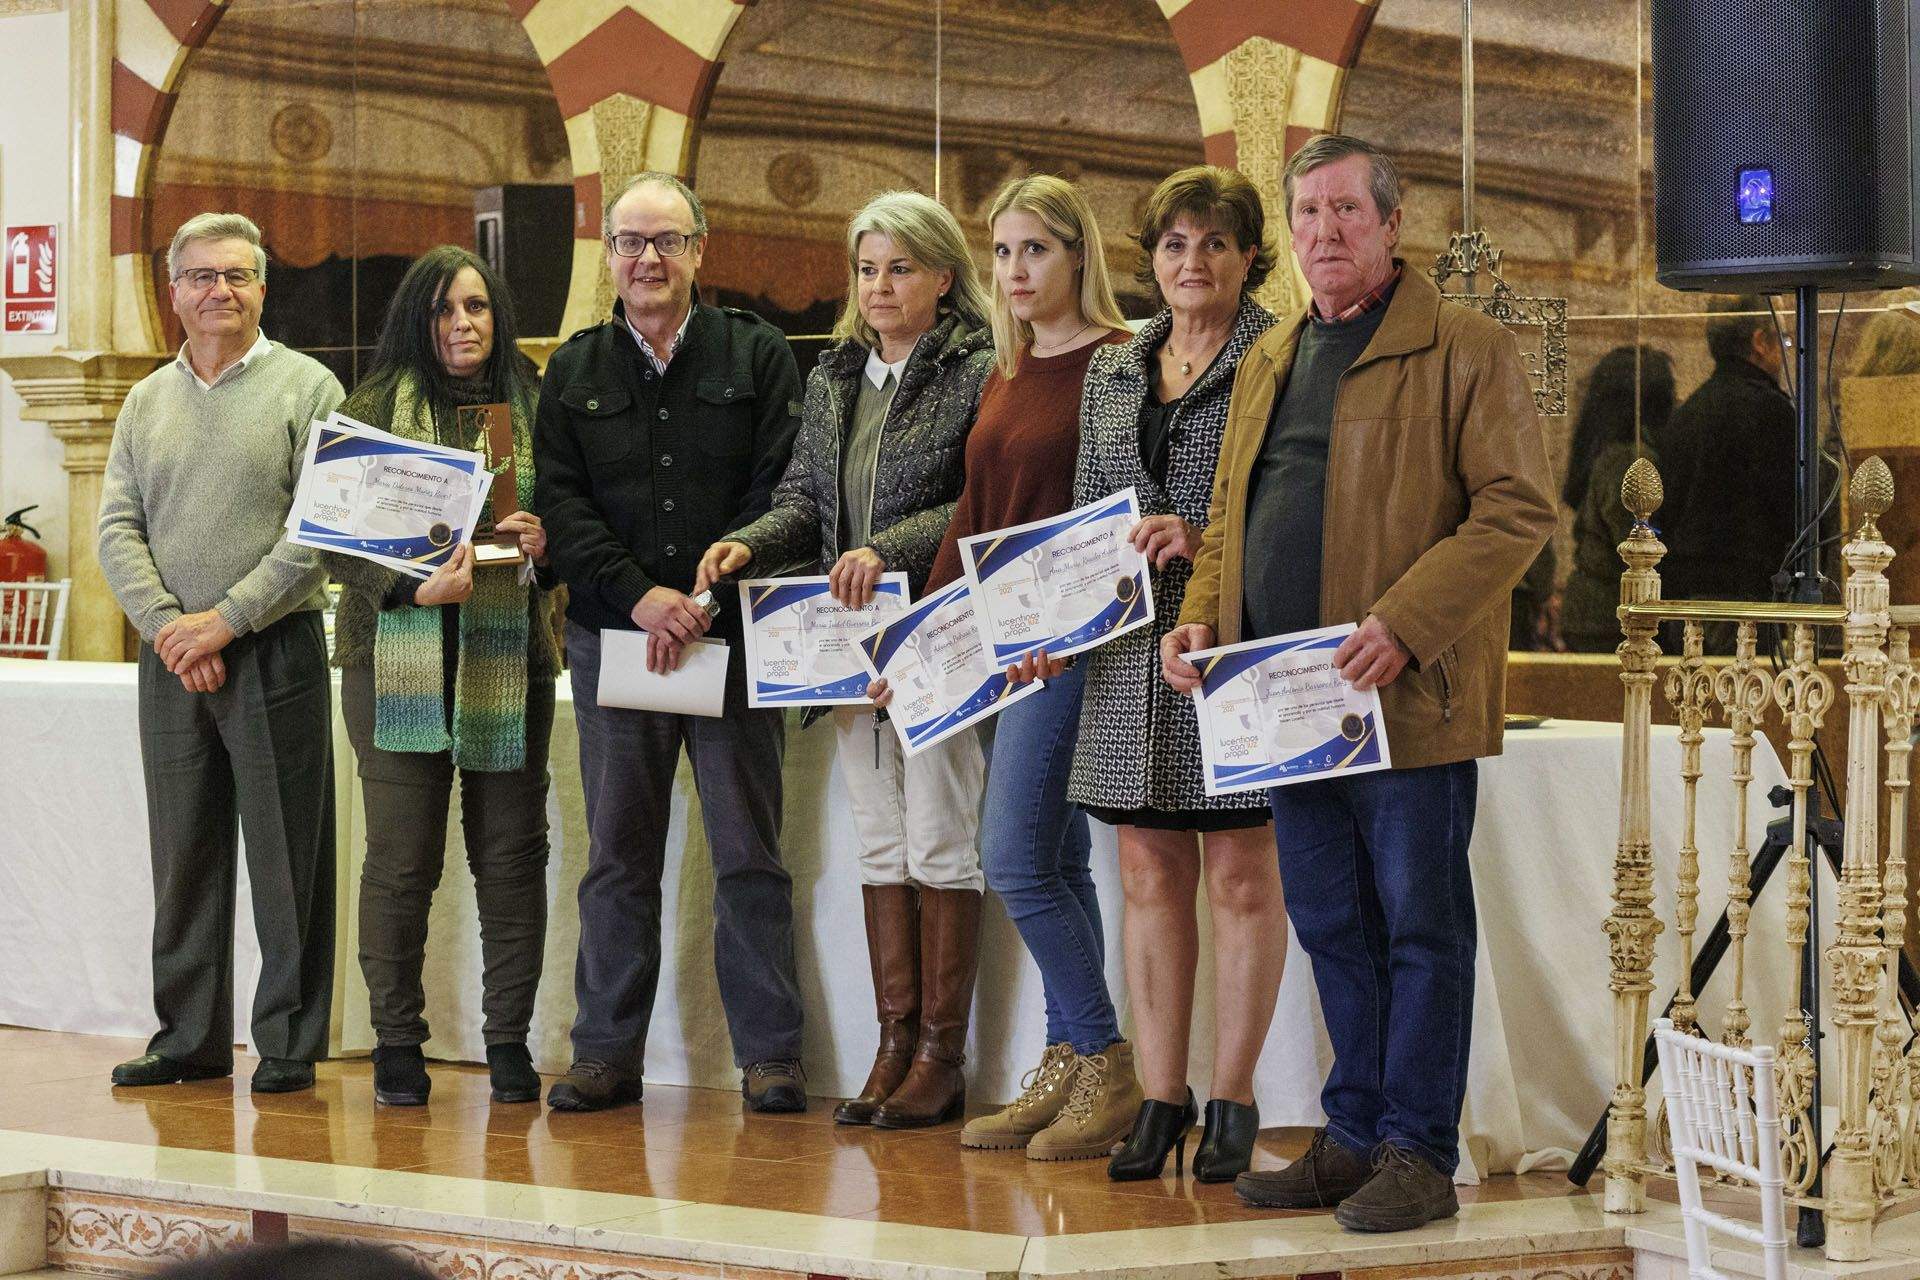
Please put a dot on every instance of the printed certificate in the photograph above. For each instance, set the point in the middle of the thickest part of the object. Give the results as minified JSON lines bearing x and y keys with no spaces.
{"x":802,"y":643}
{"x":942,"y":679}
{"x":369,"y":493}
{"x":1064,"y":585}
{"x":1275,"y":711}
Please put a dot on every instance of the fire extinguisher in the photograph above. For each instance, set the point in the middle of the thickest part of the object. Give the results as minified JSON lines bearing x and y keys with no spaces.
{"x":21,"y":560}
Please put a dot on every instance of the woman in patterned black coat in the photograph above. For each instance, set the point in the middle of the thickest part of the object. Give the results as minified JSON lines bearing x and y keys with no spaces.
{"x":1152,"y":416}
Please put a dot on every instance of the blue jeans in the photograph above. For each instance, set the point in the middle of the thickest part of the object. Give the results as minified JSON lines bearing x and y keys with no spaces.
{"x":1381,"y":896}
{"x":1034,"y":851}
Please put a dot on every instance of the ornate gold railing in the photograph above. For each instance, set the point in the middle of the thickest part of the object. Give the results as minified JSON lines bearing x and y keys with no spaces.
{"x":1875,"y":1160}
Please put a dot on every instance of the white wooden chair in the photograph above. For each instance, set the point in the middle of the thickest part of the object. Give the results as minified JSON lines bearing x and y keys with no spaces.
{"x":33,"y":616}
{"x":1722,"y":1112}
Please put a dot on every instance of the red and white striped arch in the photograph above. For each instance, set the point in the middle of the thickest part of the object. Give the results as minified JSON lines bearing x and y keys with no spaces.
{"x":654,"y":62}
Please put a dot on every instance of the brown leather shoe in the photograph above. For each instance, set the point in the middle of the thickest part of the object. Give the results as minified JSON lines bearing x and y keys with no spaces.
{"x":1406,"y":1191}
{"x":592,"y":1085}
{"x":1327,"y":1174}
{"x":935,"y":1091}
{"x":893,"y":953}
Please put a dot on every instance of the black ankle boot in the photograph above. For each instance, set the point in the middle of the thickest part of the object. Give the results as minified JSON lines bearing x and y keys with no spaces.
{"x":1226,"y":1149}
{"x":1160,"y":1127}
{"x":400,"y":1076}
{"x":510,"y":1067}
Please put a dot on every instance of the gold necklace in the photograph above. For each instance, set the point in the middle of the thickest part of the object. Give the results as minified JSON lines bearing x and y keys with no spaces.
{"x":1035,"y":347}
{"x":1186,"y":365}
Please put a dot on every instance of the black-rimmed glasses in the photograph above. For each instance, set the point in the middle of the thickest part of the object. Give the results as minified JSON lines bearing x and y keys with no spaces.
{"x":631,"y":244}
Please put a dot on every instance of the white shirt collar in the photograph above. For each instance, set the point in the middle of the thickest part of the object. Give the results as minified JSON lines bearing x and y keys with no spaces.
{"x":878,"y":369}
{"x":259,"y":348}
{"x":660,"y":363}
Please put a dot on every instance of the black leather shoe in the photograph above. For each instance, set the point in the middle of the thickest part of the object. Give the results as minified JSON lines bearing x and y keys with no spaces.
{"x":1404,"y":1192}
{"x":158,"y":1068}
{"x":593,"y":1085}
{"x":775,"y":1086}
{"x":1327,"y":1174}
{"x":282,"y":1075}
{"x":510,"y":1068}
{"x":1226,"y":1148}
{"x":400,"y":1076}
{"x":1159,"y":1128}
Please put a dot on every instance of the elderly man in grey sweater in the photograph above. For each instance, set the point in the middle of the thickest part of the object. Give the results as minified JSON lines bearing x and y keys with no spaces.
{"x":235,"y":705}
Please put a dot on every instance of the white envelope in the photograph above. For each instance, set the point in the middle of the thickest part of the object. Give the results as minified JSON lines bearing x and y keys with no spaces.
{"x":698,"y":687}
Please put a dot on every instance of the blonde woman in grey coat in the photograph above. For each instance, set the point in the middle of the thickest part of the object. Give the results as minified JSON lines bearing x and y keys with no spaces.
{"x":876,"y":468}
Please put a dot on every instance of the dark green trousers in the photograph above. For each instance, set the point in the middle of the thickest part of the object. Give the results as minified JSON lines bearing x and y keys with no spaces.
{"x":504,"y":817}
{"x":258,"y":750}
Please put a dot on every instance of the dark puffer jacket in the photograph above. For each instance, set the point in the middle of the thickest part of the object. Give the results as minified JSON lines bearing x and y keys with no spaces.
{"x":919,"y":469}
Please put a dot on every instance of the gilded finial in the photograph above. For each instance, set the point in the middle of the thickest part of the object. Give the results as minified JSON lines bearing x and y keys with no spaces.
{"x":1872,"y":494}
{"x":1641,"y":490}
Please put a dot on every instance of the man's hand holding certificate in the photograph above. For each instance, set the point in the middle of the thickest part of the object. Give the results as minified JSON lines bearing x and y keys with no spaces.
{"x":1064,"y":585}
{"x":402,"y":503}
{"x":803,"y":645}
{"x":942,"y":679}
{"x":1276,"y":711}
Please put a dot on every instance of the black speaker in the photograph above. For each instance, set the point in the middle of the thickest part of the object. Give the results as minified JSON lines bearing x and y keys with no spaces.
{"x":1783,"y":143}
{"x":525,"y":233}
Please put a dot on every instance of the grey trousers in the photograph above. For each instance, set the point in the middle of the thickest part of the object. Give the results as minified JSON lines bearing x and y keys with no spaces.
{"x":260,"y":749}
{"x":504,"y":818}
{"x":627,"y":763}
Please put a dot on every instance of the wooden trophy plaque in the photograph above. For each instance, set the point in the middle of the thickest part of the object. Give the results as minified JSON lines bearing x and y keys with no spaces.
{"x":490,"y":427}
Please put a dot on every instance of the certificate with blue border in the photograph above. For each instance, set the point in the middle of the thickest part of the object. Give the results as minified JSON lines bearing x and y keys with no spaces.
{"x":802,"y":644}
{"x":1276,"y":711}
{"x":943,"y":682}
{"x":369,"y":493}
{"x":1064,"y":584}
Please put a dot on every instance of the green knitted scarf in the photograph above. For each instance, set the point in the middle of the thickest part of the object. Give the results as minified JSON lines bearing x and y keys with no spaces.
{"x":490,"y":684}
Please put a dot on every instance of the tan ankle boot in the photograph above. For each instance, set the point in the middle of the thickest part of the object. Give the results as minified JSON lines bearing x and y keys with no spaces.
{"x":1099,"y":1110}
{"x":1043,"y":1093}
{"x":893,"y":951}
{"x":935,"y":1090}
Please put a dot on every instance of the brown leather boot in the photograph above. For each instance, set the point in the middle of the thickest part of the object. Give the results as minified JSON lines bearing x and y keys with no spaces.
{"x":893,"y":952}
{"x":935,"y":1091}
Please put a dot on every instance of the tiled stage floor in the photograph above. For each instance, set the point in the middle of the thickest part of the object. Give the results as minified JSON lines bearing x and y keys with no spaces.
{"x":682,"y":1144}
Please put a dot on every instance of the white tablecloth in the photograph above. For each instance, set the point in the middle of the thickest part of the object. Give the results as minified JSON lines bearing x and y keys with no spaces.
{"x":75,"y":916}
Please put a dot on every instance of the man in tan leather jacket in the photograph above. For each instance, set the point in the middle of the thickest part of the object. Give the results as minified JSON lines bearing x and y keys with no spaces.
{"x":1382,"y":466}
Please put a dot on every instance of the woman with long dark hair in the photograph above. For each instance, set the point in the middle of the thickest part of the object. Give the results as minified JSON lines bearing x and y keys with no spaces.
{"x":1630,"y":387}
{"x":450,"y":674}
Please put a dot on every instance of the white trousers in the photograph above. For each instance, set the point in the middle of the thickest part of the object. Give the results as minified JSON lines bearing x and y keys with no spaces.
{"x":918,"y":817}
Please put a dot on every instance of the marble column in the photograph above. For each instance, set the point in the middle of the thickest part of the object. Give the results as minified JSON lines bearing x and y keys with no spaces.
{"x":78,"y":395}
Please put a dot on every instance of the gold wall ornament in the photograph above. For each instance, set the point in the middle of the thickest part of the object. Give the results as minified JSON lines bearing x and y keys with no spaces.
{"x":622,"y":124}
{"x":1261,"y":75}
{"x":1472,"y":254}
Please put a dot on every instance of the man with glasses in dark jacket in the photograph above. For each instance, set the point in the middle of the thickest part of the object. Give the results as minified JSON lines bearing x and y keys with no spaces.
{"x":659,"y":432}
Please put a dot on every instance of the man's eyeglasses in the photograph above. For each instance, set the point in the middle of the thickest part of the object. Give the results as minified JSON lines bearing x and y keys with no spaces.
{"x":631,"y":244}
{"x":203,"y":277}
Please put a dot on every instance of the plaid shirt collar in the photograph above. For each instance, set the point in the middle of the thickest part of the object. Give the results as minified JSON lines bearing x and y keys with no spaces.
{"x":1373,"y":300}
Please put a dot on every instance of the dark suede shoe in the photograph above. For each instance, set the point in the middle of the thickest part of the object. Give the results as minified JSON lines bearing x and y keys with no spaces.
{"x":158,"y":1068}
{"x":776,"y":1085}
{"x":1405,"y":1192}
{"x":510,"y":1068}
{"x":282,"y":1075}
{"x":1327,"y":1174}
{"x":592,"y":1085}
{"x":400,"y":1076}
